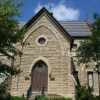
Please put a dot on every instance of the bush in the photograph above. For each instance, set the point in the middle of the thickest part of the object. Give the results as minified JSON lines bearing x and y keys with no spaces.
{"x":83,"y":93}
{"x":96,"y":98}
{"x":60,"y":98}
{"x":17,"y":98}
{"x":51,"y":98}
{"x":68,"y":99}
{"x":41,"y":98}
{"x":5,"y":96}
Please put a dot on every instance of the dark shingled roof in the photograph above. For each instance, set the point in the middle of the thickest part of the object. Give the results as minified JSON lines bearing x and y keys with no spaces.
{"x":76,"y":28}
{"x":51,"y":17}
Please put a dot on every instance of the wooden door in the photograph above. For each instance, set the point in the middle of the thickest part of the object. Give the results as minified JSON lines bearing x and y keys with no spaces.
{"x":40,"y":76}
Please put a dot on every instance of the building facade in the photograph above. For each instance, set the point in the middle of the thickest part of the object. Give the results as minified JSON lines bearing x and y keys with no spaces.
{"x":48,"y":55}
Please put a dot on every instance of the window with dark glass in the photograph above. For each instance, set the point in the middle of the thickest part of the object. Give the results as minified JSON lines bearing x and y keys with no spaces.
{"x":90,"y":79}
{"x":41,"y":40}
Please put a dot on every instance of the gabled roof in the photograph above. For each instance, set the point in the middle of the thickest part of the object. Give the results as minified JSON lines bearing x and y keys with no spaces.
{"x":71,"y":29}
{"x":77,"y":28}
{"x":50,"y":15}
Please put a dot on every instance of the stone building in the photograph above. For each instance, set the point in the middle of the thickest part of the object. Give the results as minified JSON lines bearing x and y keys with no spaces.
{"x":48,"y":57}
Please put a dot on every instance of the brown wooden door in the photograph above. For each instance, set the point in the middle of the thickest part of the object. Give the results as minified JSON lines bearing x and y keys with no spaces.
{"x":39,"y":76}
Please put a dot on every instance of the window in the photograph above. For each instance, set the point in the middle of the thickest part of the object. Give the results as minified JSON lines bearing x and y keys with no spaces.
{"x":41,"y":40}
{"x":90,"y":79}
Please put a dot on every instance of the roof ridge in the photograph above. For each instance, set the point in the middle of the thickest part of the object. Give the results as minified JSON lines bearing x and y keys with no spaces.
{"x":49,"y":14}
{"x":73,"y":21}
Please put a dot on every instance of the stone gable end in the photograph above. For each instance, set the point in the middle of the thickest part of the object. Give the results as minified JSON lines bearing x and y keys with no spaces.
{"x":55,"y":53}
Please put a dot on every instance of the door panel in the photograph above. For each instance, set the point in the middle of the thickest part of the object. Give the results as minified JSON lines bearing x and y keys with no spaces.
{"x":40,"y":77}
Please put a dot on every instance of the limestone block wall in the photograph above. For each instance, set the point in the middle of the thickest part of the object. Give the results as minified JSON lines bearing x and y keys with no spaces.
{"x":55,"y":53}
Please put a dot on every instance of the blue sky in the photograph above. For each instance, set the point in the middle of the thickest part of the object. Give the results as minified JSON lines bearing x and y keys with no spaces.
{"x":62,"y":9}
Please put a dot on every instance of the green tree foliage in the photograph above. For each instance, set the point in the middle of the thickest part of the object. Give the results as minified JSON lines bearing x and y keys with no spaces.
{"x":10,"y":34}
{"x":82,"y":93}
{"x":9,"y":26}
{"x":89,"y":52}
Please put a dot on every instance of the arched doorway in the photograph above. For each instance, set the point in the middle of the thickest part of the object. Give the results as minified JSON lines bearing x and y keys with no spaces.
{"x":40,"y":77}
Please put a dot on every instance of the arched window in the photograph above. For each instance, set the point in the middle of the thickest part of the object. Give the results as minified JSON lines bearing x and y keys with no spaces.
{"x":90,"y":79}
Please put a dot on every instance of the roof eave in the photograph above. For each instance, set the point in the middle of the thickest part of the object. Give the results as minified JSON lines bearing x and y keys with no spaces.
{"x":81,"y":37}
{"x":33,"y":19}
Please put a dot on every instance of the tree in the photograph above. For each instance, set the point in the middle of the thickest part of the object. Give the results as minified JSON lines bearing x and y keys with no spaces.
{"x":89,"y":50}
{"x":9,"y":26}
{"x":10,"y":34}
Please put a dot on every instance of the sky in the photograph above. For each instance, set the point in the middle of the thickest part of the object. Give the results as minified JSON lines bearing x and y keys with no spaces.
{"x":66,"y":10}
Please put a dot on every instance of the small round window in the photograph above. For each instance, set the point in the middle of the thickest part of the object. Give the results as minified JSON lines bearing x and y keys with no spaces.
{"x":41,"y":40}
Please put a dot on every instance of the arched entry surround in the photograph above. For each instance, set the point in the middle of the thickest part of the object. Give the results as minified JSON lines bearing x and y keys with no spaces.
{"x":39,"y":75}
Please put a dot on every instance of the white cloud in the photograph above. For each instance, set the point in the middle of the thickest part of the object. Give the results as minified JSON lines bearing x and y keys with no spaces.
{"x":38,"y":8}
{"x":61,"y":11}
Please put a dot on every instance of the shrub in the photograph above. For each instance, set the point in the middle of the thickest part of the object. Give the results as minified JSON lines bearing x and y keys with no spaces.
{"x":5,"y":96}
{"x":51,"y":98}
{"x":83,"y":93}
{"x":96,"y":98}
{"x":17,"y":98}
{"x":60,"y":99}
{"x":41,"y":98}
